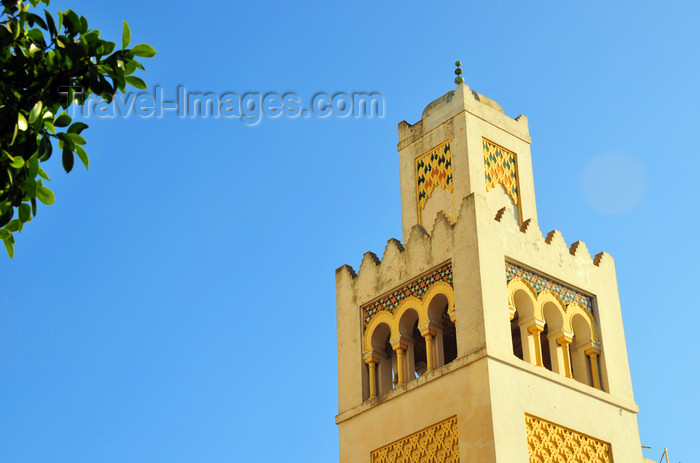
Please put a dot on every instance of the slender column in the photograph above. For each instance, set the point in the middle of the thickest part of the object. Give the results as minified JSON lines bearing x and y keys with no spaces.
{"x":429,"y":347}
{"x":372,"y":362}
{"x":565,"y":341}
{"x":535,"y":329}
{"x":400,"y":350}
{"x":593,"y":353}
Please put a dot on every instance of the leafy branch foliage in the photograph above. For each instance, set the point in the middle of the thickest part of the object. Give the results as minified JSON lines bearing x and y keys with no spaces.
{"x":46,"y":64}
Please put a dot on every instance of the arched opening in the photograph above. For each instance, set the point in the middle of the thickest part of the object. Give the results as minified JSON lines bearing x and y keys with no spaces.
{"x":445,"y":332}
{"x":449,"y":336}
{"x":552,"y":354}
{"x":419,"y":352}
{"x":385,"y":370}
{"x":525,"y":316}
{"x":544,"y":342}
{"x":515,"y":337}
{"x":407,"y":324}
{"x":580,"y":362}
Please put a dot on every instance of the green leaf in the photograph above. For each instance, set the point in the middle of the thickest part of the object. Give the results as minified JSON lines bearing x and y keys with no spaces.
{"x":35,"y":112}
{"x":25,"y":212}
{"x":144,"y":50}
{"x":10,"y":246}
{"x":67,"y":160}
{"x":136,"y":82}
{"x":5,"y":234}
{"x":17,"y":162}
{"x":14,"y":225}
{"x":50,"y":22}
{"x":45,"y":149}
{"x":33,"y":167}
{"x":77,"y":139}
{"x":43,"y":174}
{"x":80,"y":151}
{"x":62,"y":120}
{"x":77,"y":127}
{"x":21,"y":122}
{"x":126,"y":36}
{"x":65,"y":141}
{"x":45,"y":195}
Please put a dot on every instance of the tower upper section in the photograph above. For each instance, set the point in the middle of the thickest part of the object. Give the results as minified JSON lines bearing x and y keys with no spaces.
{"x":464,"y":143}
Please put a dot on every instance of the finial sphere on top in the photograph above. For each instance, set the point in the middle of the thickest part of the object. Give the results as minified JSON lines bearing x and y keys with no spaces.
{"x":459,"y":79}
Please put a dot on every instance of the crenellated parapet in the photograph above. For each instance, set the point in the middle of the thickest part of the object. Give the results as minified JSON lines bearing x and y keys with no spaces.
{"x":423,"y":251}
{"x":400,"y":262}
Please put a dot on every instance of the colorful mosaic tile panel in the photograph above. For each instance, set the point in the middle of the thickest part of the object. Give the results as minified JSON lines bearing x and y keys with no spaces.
{"x":548,"y":442}
{"x":434,"y":170}
{"x":540,"y":283}
{"x":416,"y":288}
{"x":500,"y":167}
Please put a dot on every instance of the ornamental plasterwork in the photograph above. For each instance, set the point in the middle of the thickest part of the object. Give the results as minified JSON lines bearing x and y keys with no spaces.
{"x":548,"y":442}
{"x":435,"y":444}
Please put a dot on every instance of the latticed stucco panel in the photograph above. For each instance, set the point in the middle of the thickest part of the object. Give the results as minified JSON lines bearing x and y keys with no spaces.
{"x":550,"y":443}
{"x":436,"y":444}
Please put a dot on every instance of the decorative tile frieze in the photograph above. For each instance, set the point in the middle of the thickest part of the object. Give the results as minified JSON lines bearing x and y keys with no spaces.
{"x":548,"y":442}
{"x":433,"y":170}
{"x":416,"y":288}
{"x":500,"y":167}
{"x":435,"y":444}
{"x":541,"y":283}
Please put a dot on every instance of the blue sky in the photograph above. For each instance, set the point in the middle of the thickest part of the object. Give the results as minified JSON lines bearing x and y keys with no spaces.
{"x":177,"y":302}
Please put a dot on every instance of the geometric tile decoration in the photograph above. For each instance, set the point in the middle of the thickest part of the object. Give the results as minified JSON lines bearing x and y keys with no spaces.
{"x":415,"y":288}
{"x":436,"y":444}
{"x":550,"y":443}
{"x":500,"y":167}
{"x":433,"y":170}
{"x":540,"y":283}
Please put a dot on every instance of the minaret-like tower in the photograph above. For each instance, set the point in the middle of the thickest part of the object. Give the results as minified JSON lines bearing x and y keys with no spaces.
{"x":479,"y":339}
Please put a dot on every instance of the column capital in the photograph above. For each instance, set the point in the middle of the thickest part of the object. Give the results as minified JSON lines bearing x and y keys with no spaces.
{"x":592,"y":351}
{"x":591,"y":348}
{"x":372,"y":357}
{"x":400,"y":344}
{"x":562,"y":337}
{"x":453,"y":315}
{"x":535,"y":326}
{"x":429,"y":329}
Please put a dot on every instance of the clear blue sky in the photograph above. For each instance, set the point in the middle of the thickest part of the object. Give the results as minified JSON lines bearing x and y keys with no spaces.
{"x":177,"y":302}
